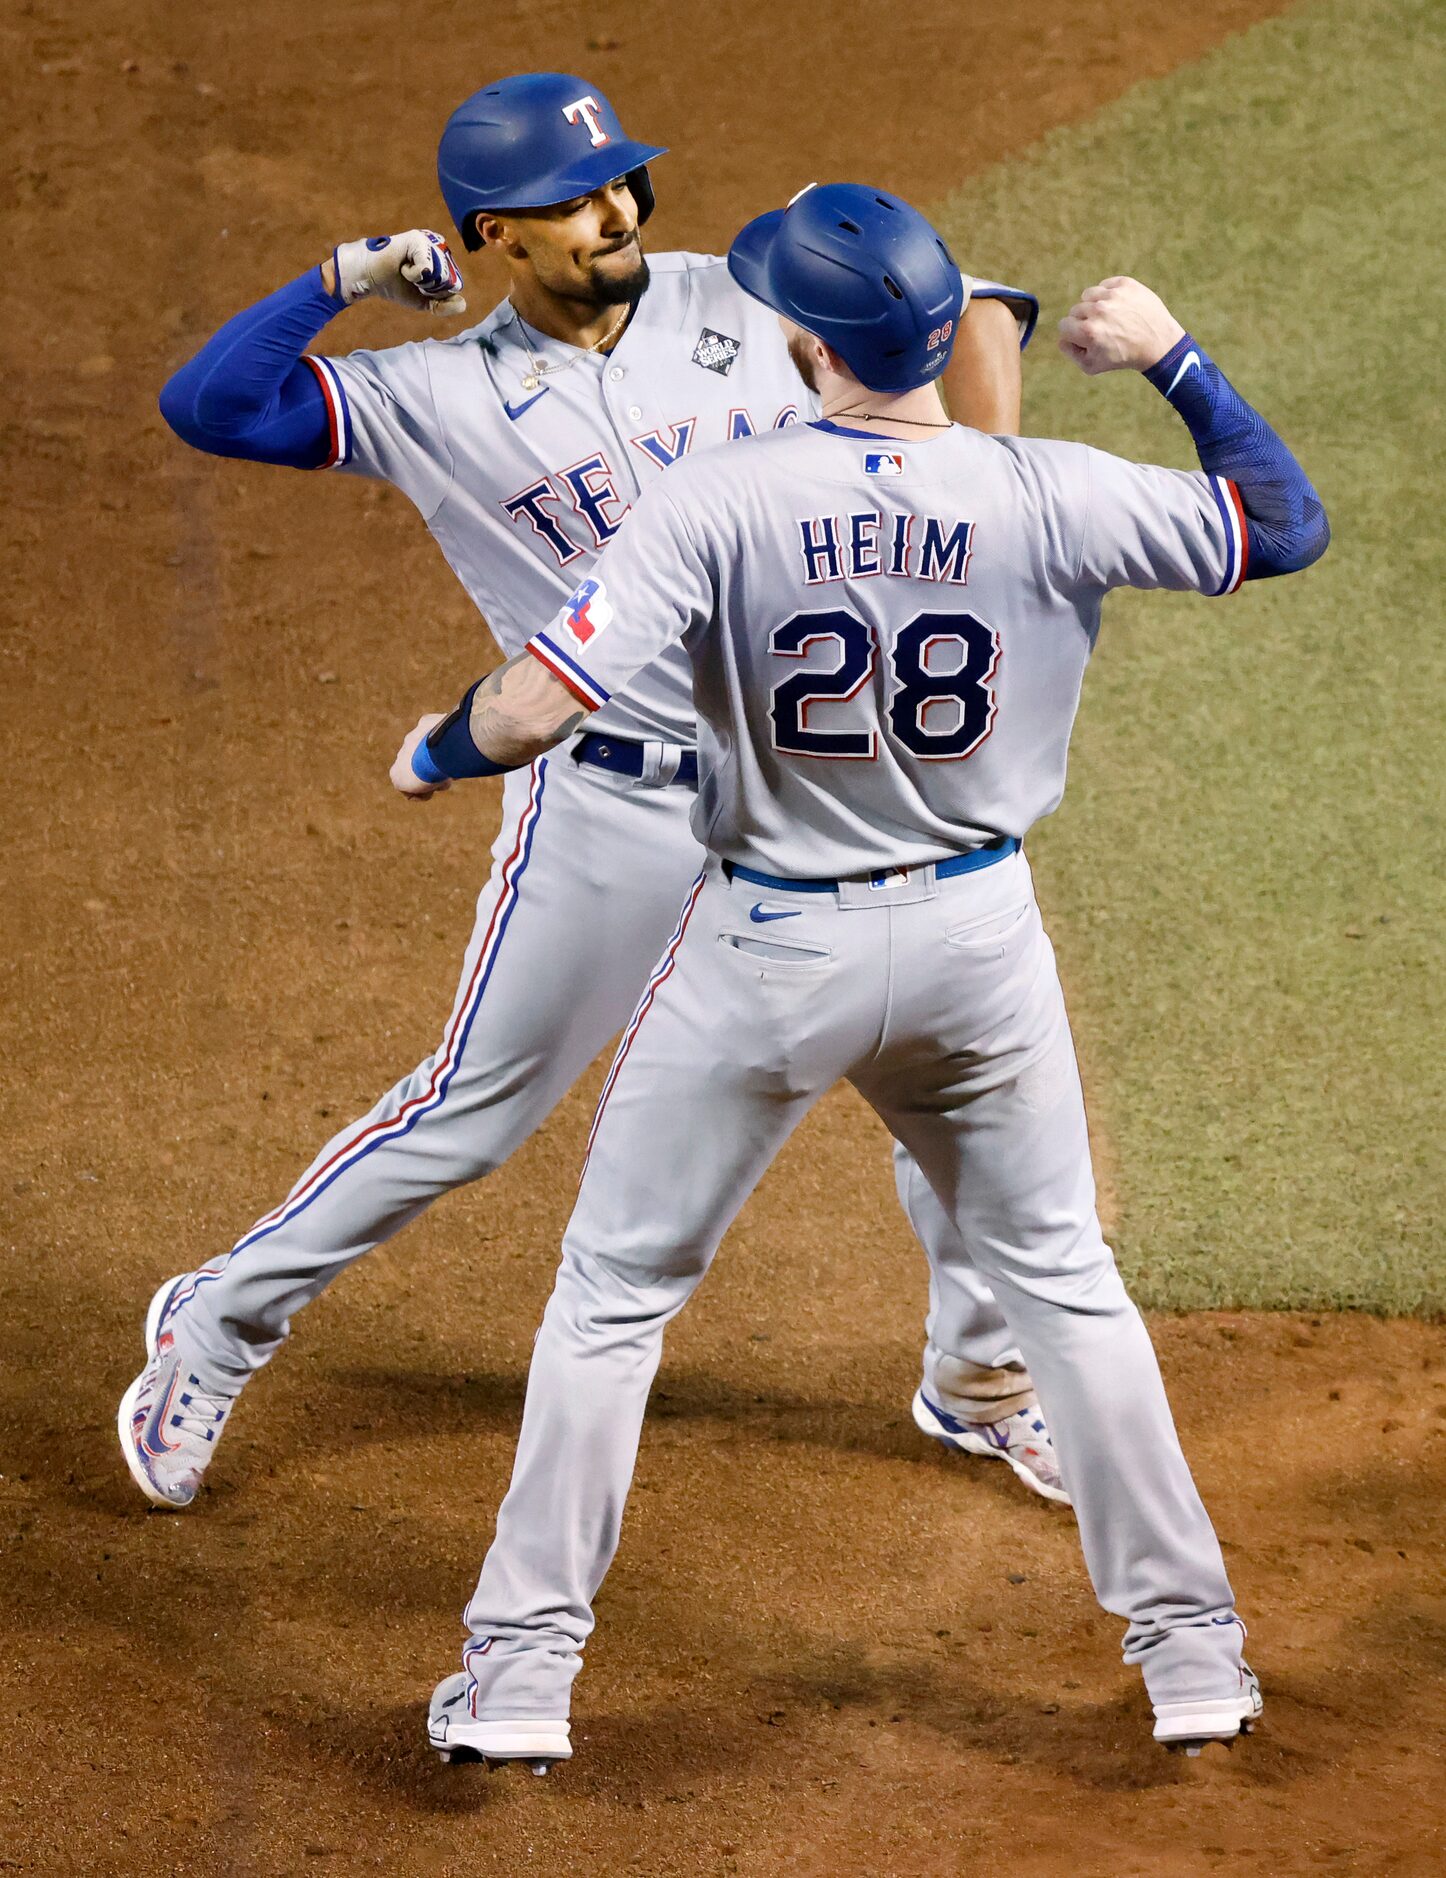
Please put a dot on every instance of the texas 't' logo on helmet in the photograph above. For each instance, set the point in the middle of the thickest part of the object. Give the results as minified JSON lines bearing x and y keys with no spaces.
{"x":584,"y":111}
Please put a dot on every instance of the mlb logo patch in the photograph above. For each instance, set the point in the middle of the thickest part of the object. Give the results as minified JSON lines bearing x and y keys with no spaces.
{"x":715,"y":352}
{"x":883,"y":463}
{"x":587,"y":612}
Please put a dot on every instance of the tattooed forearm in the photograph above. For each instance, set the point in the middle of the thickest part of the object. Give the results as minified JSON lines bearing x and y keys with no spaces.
{"x":520,"y":710}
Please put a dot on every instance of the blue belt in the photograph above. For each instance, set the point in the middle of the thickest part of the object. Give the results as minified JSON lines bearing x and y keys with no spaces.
{"x":625,"y":758}
{"x":969,"y":863}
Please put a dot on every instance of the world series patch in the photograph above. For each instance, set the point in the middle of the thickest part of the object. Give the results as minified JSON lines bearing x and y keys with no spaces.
{"x":715,"y":352}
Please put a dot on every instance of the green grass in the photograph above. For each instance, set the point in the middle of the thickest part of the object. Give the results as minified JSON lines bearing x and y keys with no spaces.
{"x":1246,"y":879}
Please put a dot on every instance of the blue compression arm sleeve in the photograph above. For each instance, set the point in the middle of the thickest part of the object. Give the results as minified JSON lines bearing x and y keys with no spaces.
{"x":248,"y":392}
{"x":1285,"y":523}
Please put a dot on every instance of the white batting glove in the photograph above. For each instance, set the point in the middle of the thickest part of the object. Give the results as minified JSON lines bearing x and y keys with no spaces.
{"x":1118,"y":326}
{"x":415,"y":269}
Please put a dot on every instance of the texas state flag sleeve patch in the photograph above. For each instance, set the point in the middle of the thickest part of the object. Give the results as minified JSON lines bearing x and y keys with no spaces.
{"x":588,"y":612}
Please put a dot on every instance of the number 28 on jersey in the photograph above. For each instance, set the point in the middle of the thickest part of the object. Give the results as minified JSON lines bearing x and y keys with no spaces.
{"x":941,"y":665}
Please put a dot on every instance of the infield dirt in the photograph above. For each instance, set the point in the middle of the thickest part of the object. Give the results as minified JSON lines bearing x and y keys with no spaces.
{"x":826,"y":1647}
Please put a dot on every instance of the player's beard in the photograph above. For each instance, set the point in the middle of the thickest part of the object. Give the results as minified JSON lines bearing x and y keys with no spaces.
{"x":800,"y":350}
{"x":620,"y":289}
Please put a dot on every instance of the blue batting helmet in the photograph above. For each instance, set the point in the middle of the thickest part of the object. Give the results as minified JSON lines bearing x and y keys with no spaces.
{"x":862,"y":271}
{"x":530,"y":141}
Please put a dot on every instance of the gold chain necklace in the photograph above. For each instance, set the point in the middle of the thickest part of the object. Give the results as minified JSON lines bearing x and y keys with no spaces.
{"x":532,"y":379}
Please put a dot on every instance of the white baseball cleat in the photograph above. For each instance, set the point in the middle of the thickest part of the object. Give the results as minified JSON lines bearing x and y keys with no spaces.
{"x":1021,"y":1439}
{"x":168,"y":1424}
{"x":458,"y":1736}
{"x":1188,"y":1726}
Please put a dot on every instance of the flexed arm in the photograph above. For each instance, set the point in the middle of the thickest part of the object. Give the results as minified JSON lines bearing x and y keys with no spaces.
{"x":1121,"y":325}
{"x":249,"y":392}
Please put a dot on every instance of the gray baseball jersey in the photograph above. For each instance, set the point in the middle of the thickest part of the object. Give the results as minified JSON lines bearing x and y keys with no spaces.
{"x":521,"y":487}
{"x":887,"y":639}
{"x":887,"y":642}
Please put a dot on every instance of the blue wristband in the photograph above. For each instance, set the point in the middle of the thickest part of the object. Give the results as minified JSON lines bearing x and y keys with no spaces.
{"x":448,"y":752}
{"x":424,"y":769}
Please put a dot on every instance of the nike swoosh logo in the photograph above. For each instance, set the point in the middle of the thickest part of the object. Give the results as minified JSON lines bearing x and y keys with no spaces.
{"x":1190,"y":358}
{"x":514,"y":412}
{"x":154,"y":1439}
{"x":759,"y":917}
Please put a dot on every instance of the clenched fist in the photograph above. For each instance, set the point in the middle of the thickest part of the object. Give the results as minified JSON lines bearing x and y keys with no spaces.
{"x":1118,"y":326}
{"x":415,"y":269}
{"x":405,"y":779}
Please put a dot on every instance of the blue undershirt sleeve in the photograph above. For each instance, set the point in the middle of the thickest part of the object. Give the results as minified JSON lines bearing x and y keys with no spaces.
{"x":249,"y":392}
{"x":1284,"y":522}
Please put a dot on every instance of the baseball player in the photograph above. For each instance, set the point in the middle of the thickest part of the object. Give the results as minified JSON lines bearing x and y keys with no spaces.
{"x":888,"y":620}
{"x":523,"y":442}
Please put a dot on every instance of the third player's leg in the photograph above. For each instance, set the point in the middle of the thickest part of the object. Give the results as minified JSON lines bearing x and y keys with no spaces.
{"x":972,"y":1365}
{"x":587,"y":877}
{"x":981,"y":1083}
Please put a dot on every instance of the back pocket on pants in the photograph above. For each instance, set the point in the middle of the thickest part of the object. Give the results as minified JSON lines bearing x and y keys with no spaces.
{"x":774,"y":951}
{"x":989,"y":934}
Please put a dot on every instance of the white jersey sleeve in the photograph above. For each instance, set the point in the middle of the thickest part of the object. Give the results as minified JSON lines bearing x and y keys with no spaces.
{"x":385,"y":421}
{"x":1112,"y":523}
{"x":1152,"y":527}
{"x":646,"y":590}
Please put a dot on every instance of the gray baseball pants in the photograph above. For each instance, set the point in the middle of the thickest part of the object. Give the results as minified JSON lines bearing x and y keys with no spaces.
{"x":587,"y":873}
{"x":940,"y":1002}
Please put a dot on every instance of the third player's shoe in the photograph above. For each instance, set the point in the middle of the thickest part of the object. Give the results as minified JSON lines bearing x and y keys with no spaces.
{"x":168,"y":1423}
{"x":1021,"y":1439}
{"x":1190,"y":1725}
{"x":458,"y":1736}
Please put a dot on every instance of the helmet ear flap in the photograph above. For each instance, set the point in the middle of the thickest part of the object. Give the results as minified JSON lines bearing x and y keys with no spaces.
{"x":641,"y":184}
{"x":471,"y":240}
